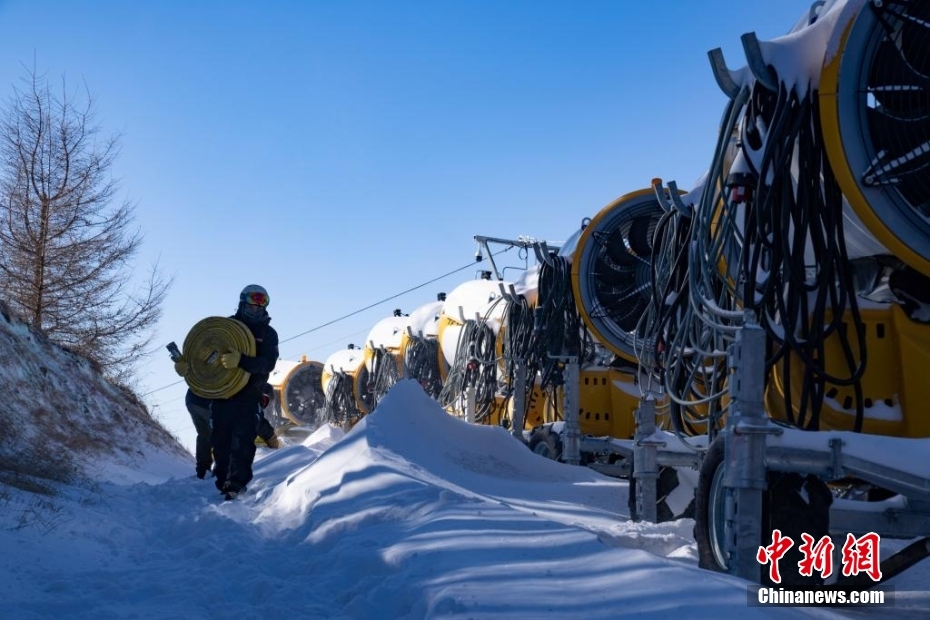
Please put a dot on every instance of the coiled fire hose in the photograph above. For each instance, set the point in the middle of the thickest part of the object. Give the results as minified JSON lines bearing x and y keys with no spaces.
{"x":203,"y":346}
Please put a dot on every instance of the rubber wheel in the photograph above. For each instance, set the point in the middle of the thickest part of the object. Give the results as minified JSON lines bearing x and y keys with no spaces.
{"x":784,"y":507}
{"x":545,"y":443}
{"x":666,"y":483}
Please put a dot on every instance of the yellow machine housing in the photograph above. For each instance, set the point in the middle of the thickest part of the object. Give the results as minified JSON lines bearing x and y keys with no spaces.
{"x":895,"y":386}
{"x":607,"y":401}
{"x":502,"y":409}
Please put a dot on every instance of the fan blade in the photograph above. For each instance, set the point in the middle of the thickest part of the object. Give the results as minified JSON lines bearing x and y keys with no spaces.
{"x":898,"y":89}
{"x":641,"y":236}
{"x":616,"y":248}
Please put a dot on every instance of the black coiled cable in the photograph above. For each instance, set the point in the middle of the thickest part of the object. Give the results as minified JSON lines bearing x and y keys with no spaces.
{"x":519,"y":348}
{"x":475,"y":364}
{"x":800,"y":304}
{"x":382,"y":377}
{"x":421,"y":363}
{"x":558,"y":328}
{"x":341,"y":406}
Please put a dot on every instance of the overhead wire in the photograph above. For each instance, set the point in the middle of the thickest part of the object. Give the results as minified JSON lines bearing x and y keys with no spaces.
{"x":355,"y":312}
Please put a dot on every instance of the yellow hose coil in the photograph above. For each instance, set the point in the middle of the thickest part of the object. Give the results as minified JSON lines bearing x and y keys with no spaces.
{"x":205,"y":343}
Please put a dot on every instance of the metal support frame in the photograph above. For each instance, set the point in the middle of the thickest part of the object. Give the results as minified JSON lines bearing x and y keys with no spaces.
{"x":571,"y":452}
{"x":669,"y":452}
{"x":744,"y":451}
{"x":899,"y":519}
{"x":522,"y":242}
{"x":645,"y":463}
{"x":519,"y":398}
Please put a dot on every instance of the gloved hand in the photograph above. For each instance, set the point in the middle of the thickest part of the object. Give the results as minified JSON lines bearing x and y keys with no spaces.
{"x":265,"y":400}
{"x":182,"y":367}
{"x":230,"y":359}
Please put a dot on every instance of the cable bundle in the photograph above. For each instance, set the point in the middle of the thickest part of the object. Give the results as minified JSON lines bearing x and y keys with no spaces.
{"x":519,"y":347}
{"x":777,"y":250}
{"x":475,"y":364}
{"x":557,"y":325}
{"x":341,"y":406}
{"x":673,"y":348}
{"x":421,"y":362}
{"x":801,"y":300}
{"x":383,"y":375}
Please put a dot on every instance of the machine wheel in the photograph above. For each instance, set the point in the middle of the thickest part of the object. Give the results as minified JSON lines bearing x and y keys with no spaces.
{"x":545,"y":443}
{"x":667,"y":482}
{"x":708,"y":510}
{"x":784,"y":507}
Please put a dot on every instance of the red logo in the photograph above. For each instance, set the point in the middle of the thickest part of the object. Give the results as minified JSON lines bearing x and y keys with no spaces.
{"x":859,"y":555}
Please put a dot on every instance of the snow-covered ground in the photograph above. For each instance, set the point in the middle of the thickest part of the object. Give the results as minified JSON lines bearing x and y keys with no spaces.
{"x":412,"y":514}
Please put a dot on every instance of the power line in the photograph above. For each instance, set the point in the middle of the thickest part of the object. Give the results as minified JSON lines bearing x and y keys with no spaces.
{"x":164,"y":387}
{"x":351,"y":314}
{"x":336,"y":341}
{"x":386,"y":299}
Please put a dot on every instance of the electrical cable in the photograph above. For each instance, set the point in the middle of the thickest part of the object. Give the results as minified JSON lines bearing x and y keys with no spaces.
{"x":518,"y":351}
{"x":382,"y":377}
{"x":778,"y":252}
{"x":341,"y":405}
{"x":421,"y":363}
{"x":802,"y":301}
{"x":474,"y":365}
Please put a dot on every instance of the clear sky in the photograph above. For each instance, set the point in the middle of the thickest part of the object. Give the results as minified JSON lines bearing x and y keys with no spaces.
{"x":340,"y":153}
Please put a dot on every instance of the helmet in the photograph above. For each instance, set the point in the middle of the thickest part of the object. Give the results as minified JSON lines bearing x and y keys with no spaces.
{"x":254,"y":295}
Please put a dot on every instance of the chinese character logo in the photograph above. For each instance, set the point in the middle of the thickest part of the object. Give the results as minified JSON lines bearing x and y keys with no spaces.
{"x":773,"y":553}
{"x":859,"y":555}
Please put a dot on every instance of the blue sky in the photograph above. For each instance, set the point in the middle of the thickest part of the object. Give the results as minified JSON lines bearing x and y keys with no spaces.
{"x":339,"y":153}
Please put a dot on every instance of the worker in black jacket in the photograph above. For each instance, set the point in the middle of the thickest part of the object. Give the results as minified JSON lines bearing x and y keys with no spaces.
{"x":235,"y":419}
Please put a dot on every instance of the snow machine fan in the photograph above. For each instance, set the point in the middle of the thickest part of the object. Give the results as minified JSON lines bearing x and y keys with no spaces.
{"x":875,"y":112}
{"x":302,"y":400}
{"x":203,"y":346}
{"x":611,"y":273}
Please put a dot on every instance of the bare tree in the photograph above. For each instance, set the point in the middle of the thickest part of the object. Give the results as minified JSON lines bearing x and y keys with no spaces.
{"x":66,"y":250}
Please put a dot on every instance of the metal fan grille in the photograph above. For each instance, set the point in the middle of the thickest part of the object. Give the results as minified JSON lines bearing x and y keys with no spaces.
{"x":613,"y":271}
{"x":875,"y":110}
{"x":303,"y":400}
{"x":897,"y":98}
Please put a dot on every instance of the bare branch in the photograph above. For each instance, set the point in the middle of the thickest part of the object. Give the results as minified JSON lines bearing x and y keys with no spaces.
{"x":66,"y":250}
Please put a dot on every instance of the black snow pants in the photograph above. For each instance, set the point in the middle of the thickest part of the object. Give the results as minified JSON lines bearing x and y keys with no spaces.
{"x":200,"y":416}
{"x":234,"y":431}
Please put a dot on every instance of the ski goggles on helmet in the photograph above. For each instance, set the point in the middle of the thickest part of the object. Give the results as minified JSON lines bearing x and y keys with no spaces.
{"x":256,"y":298}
